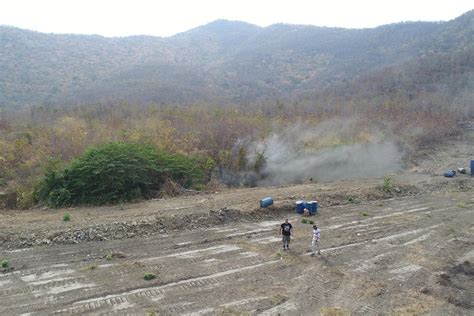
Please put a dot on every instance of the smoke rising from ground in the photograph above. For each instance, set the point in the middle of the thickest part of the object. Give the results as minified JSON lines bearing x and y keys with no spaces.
{"x":286,"y":165}
{"x":333,"y":150}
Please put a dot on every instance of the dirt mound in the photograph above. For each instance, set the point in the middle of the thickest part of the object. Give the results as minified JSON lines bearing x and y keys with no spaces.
{"x":145,"y":227}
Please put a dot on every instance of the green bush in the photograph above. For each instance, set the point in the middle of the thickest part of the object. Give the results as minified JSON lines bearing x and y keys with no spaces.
{"x":117,"y":172}
{"x":49,"y":189}
{"x":67,"y":217}
{"x":59,"y":197}
{"x":5,"y":263}
{"x":149,"y":276}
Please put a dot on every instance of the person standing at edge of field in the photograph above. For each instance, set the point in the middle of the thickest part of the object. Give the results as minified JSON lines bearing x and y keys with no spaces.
{"x":285,"y":231}
{"x":315,"y":240}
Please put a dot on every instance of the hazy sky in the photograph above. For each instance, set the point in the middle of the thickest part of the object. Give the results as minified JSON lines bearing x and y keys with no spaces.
{"x":164,"y":18}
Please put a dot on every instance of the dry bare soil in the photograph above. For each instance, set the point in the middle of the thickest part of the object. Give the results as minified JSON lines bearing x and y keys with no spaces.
{"x":406,"y":251}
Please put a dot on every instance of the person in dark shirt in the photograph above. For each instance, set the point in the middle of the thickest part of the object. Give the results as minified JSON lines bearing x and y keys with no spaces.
{"x":285,"y":231}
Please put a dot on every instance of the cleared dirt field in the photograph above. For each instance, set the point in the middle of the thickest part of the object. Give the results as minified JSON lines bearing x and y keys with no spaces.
{"x":408,"y":252}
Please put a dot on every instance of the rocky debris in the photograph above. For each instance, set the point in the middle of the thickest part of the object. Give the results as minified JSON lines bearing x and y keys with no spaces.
{"x":135,"y":228}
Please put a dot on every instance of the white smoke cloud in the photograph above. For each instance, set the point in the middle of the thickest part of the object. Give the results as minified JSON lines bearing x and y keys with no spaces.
{"x":290,"y":160}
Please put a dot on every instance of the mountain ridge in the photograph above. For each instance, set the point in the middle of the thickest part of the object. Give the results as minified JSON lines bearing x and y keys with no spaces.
{"x":220,"y":62}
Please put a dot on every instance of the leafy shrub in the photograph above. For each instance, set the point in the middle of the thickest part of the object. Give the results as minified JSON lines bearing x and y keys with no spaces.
{"x":5,"y":263}
{"x":59,"y":197}
{"x":48,"y":189}
{"x":311,"y":222}
{"x":67,"y":217}
{"x":185,"y":171}
{"x":117,"y":172}
{"x":304,"y":221}
{"x":149,"y":276}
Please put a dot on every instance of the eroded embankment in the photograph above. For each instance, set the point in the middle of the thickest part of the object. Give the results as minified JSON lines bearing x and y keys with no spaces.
{"x":146,"y":225}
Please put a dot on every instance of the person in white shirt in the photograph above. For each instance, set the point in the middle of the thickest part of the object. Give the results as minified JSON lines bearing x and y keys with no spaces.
{"x":315,"y":241}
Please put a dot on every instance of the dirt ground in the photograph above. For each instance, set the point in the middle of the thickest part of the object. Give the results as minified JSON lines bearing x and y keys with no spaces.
{"x":408,"y":250}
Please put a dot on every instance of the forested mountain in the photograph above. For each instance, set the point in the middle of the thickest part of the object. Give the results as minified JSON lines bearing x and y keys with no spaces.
{"x":235,"y":62}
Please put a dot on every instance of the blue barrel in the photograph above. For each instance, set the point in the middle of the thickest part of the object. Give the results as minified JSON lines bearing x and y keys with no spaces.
{"x":472,"y":167}
{"x":300,"y":205}
{"x":449,"y":174}
{"x":266,"y":201}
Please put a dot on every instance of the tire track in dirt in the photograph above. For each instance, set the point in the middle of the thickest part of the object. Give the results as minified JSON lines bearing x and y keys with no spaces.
{"x":181,"y":285}
{"x":239,"y":272}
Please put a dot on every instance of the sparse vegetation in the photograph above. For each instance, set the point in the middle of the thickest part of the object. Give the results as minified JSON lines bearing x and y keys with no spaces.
{"x":90,"y":267}
{"x":149,"y":276}
{"x":387,"y":184}
{"x":66,"y":217}
{"x":462,"y":205}
{"x":5,"y":263}
{"x":304,"y":221}
{"x":209,"y":151}
{"x":108,"y":257}
{"x":311,"y":222}
{"x":365,"y":214}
